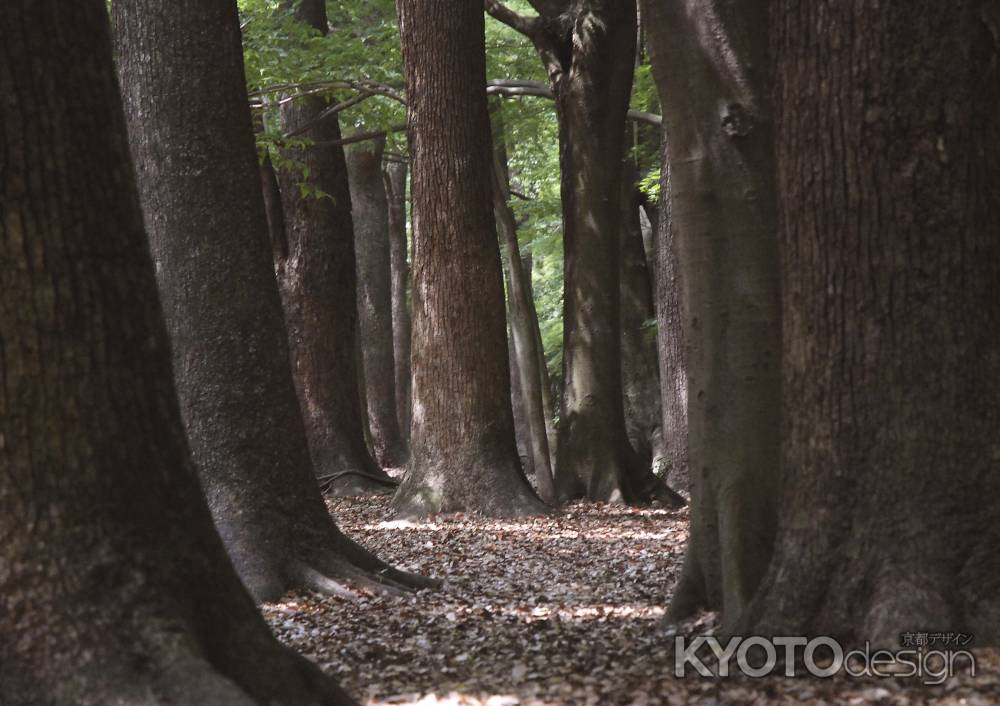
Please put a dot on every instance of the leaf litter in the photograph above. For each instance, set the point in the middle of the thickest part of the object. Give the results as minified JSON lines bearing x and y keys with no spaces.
{"x":564,"y":610}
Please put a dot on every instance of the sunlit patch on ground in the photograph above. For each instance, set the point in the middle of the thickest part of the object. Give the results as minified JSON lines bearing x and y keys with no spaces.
{"x":543,"y":612}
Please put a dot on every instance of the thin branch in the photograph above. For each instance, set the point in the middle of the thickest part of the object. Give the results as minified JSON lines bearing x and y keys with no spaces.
{"x":514,"y":87}
{"x":362,"y":136}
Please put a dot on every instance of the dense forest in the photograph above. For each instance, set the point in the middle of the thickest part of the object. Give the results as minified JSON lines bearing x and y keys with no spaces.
{"x":499,"y":352}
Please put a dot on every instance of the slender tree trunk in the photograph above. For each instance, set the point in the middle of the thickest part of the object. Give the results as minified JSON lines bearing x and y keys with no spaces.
{"x":395,"y":186}
{"x":670,"y":340}
{"x":318,"y":286}
{"x":891,"y":359}
{"x":548,"y":406}
{"x":181,"y":70}
{"x":640,"y":368}
{"x":522,"y":428}
{"x":463,"y":455}
{"x":370,"y":209}
{"x":719,"y":207}
{"x":114,"y":585}
{"x":529,"y":378}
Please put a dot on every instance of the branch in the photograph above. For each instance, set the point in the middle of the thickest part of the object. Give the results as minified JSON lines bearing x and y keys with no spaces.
{"x":362,"y":136}
{"x":528,"y":26}
{"x":513,"y":87}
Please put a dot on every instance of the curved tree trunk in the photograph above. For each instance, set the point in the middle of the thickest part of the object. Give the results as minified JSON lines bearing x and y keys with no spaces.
{"x":891,"y":363}
{"x":720,"y":212}
{"x":114,"y":586}
{"x":526,"y":378}
{"x":463,"y":455}
{"x":395,"y":187}
{"x":318,"y":286}
{"x":640,"y":369}
{"x":201,"y":193}
{"x":370,"y":210}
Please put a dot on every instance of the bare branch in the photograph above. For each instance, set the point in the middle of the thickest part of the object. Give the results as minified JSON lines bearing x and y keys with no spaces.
{"x":514,"y":87}
{"x":528,"y":26}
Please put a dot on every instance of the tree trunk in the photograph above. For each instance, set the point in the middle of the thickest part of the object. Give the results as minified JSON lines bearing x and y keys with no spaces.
{"x":463,"y":455}
{"x":528,"y":380}
{"x":670,"y":340}
{"x":395,"y":186}
{"x":522,"y":428}
{"x":318,"y":286}
{"x":587,"y":47}
{"x":114,"y":585}
{"x":720,"y":217}
{"x":370,"y":209}
{"x":198,"y":178}
{"x":548,"y":406}
{"x":891,"y":360}
{"x":720,"y":211}
{"x":640,"y":368}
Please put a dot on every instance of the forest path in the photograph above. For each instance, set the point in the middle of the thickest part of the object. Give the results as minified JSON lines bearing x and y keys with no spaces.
{"x":542,"y":611}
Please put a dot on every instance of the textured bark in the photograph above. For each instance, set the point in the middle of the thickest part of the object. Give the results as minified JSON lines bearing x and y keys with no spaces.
{"x":587,"y":47}
{"x":526,"y":378}
{"x":114,"y":585}
{"x":709,"y":65}
{"x":370,"y":210}
{"x":181,"y":70}
{"x":670,"y":341}
{"x":462,"y":450}
{"x":318,"y":286}
{"x":640,"y":368}
{"x":395,"y":187}
{"x":891,"y":360}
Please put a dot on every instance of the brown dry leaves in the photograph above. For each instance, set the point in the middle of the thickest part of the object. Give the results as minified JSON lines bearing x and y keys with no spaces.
{"x":558,"y":610}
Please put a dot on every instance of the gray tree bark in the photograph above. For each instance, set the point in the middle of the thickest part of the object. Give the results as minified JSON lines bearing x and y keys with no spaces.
{"x":888,"y":212}
{"x":463,"y":455}
{"x":719,"y":211}
{"x":370,"y":210}
{"x":181,"y":71}
{"x":395,"y":187}
{"x":114,"y":585}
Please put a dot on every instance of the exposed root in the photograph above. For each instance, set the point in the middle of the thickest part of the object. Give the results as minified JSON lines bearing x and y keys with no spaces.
{"x":355,"y":482}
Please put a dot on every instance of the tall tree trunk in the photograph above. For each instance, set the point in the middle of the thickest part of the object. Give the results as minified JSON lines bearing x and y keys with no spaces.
{"x":720,"y":214}
{"x":395,"y":186}
{"x":198,"y":178}
{"x":463,"y":455}
{"x":318,"y":286}
{"x":370,"y":209}
{"x":522,"y":427}
{"x":588,"y":47}
{"x":670,"y":339}
{"x":114,"y":585}
{"x":640,"y":368}
{"x":528,"y":380}
{"x":891,"y":360}
{"x":548,"y":406}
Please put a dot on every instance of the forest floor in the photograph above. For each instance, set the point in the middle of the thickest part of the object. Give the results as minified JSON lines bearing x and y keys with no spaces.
{"x":543,"y":611}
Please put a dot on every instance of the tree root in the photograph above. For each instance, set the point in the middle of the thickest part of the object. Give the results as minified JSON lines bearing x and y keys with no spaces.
{"x":354,"y":482}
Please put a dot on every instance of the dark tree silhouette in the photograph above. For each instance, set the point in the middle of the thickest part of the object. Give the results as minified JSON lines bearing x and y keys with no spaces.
{"x":114,"y":585}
